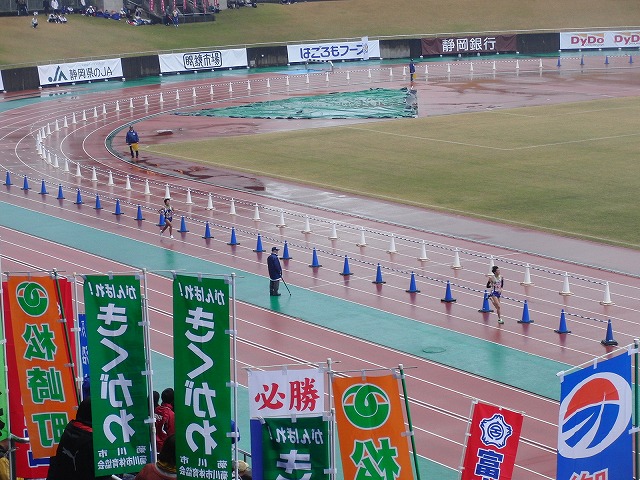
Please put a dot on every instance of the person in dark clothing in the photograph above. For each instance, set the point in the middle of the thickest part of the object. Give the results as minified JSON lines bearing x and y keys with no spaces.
{"x":275,"y":272}
{"x":74,"y":456}
{"x":132,"y":141}
{"x":165,"y":418}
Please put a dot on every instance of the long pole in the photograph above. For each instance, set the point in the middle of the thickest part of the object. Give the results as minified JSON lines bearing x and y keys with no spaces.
{"x":636,"y":408}
{"x":76,"y":330}
{"x":406,"y":404}
{"x":148,"y":366}
{"x":3,"y":340}
{"x":234,"y":332}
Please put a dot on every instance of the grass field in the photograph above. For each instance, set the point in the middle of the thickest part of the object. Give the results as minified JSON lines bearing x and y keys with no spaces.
{"x":89,"y":37}
{"x":571,"y":169}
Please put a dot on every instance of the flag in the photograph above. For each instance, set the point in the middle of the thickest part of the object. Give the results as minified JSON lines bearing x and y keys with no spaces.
{"x":493,"y":443}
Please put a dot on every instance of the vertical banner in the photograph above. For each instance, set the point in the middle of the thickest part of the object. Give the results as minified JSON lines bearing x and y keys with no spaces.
{"x":370,"y":424}
{"x":4,"y":418}
{"x":493,"y":443}
{"x":594,"y":423}
{"x":201,"y":377}
{"x":119,"y":397}
{"x":295,"y":450}
{"x":278,"y":393}
{"x":42,"y":360}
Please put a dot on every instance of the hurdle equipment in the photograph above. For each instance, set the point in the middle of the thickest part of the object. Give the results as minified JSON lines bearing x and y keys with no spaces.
{"x":209,"y":202}
{"x":607,"y":296}
{"x":233,"y":240}
{"x":345,"y":269}
{"x":183,"y":225}
{"x":456,"y":260}
{"x":485,"y":304}
{"x":334,"y":233}
{"x":362,"y":242}
{"x":207,"y":231}
{"x":412,"y":284}
{"x":281,"y":222}
{"x":43,"y":189}
{"x":259,"y":248}
{"x":78,"y":198}
{"x":98,"y":204}
{"x":314,"y":259}
{"x":7,"y":180}
{"x":285,"y":252}
{"x":525,"y":314}
{"x":527,"y":276}
{"x":307,"y":227}
{"x":609,"y":341}
{"x":562,"y":328}
{"x":256,"y":213}
{"x":139,"y":216}
{"x":448,"y":298}
{"x":60,"y":194}
{"x":378,"y":279}
{"x":392,"y":245}
{"x":25,"y":184}
{"x":118,"y":210}
{"x":423,"y":252}
{"x":566,"y":291}
{"x":232,"y":207}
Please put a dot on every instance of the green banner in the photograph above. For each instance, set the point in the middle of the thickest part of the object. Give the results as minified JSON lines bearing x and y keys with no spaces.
{"x":4,"y":419}
{"x":201,"y":369}
{"x":119,"y":397}
{"x":295,"y":450}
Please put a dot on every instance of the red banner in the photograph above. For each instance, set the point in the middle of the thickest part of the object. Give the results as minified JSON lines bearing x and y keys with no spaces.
{"x":41,"y":360}
{"x":493,"y":443}
{"x":466,"y":45}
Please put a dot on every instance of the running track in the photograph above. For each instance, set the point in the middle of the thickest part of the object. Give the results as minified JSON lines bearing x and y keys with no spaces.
{"x":459,"y":353}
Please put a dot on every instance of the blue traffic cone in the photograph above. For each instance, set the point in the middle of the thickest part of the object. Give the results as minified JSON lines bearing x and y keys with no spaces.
{"x":78,"y":198}
{"x":447,"y":296}
{"x":563,"y":324}
{"x":60,"y":194}
{"x":285,"y":252}
{"x":630,"y":62}
{"x":43,"y":189}
{"x":118,"y":211}
{"x":609,"y":341}
{"x":98,"y":204}
{"x":378,"y":279}
{"x":412,"y":284}
{"x":7,"y":181}
{"x":25,"y":184}
{"x":345,"y":269}
{"x":233,"y":237}
{"x":162,"y":222}
{"x":139,"y":216}
{"x":259,"y":248}
{"x":525,"y":314}
{"x":183,"y":225}
{"x":314,"y":259}
{"x":485,"y":304}
{"x":207,"y":231}
{"x":582,"y":60}
{"x":606,"y":62}
{"x":559,"y":62}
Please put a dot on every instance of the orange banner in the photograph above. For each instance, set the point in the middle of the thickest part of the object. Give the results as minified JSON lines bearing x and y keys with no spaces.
{"x":370,"y":426}
{"x":42,"y":360}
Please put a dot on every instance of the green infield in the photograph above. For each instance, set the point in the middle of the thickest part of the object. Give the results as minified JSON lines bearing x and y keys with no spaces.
{"x":571,"y":169}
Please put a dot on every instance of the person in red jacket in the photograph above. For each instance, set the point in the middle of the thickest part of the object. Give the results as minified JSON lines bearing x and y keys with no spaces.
{"x":165,"y":467}
{"x":165,"y":418}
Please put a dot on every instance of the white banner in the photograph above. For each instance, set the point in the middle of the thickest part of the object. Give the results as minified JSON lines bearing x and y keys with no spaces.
{"x":181,"y":62}
{"x":79,"y":71}
{"x":280,"y":393}
{"x":606,"y":39}
{"x":1,"y":83}
{"x":323,"y":52}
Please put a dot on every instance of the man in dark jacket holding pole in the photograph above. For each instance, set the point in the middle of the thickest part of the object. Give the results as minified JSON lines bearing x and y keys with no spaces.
{"x":275,"y":272}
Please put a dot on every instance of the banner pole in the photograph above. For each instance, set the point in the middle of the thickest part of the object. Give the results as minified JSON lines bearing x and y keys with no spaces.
{"x":235,"y":371}
{"x":406,"y":404}
{"x":466,"y":436}
{"x":635,"y":407}
{"x":148,"y":367}
{"x":76,"y":331}
{"x":72,"y":363}
{"x":332,"y":423}
{"x":3,"y":340}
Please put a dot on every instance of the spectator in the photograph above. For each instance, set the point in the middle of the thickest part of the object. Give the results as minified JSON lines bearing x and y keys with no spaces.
{"x":74,"y":456}
{"x":54,"y":6}
{"x":34,"y":20}
{"x":132,"y":140}
{"x":175,"y":17}
{"x":165,"y":467}
{"x":165,"y":417}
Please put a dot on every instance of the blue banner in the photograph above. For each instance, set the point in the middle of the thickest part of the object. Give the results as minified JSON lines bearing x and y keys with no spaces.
{"x":595,"y":418}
